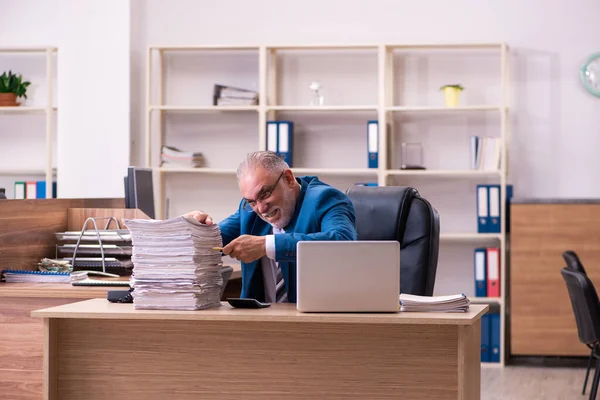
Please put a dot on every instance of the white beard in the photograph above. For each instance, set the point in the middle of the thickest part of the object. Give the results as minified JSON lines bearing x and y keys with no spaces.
{"x":287,"y":211}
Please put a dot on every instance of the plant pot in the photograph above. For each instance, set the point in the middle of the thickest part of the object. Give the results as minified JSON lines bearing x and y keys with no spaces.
{"x":451,"y":96}
{"x":8,"y":100}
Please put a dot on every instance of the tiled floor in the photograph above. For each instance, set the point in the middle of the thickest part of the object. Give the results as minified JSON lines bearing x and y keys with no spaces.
{"x":529,"y":383}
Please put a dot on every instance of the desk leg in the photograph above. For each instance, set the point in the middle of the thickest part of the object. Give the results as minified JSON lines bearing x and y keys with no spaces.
{"x":50,"y":359}
{"x":469,"y":361}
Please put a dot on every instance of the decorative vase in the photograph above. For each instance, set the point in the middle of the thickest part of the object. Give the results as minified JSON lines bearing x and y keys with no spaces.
{"x":451,"y":96}
{"x":8,"y":100}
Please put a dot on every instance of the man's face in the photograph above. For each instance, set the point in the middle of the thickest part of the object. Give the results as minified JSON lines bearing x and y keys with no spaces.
{"x":271,"y":196}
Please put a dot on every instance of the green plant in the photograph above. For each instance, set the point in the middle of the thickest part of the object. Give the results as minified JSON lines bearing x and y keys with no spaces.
{"x":12,"y":83}
{"x":452,"y":86}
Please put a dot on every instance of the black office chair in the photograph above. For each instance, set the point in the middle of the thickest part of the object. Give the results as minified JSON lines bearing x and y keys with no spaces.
{"x":400,"y":213}
{"x":586,"y":308}
{"x":574,"y":264}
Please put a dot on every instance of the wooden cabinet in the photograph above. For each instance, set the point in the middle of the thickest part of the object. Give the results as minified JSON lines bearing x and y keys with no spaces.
{"x":541,"y":316}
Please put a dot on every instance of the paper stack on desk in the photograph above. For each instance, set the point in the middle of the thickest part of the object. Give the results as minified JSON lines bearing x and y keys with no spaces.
{"x":451,"y":303}
{"x":174,"y":267}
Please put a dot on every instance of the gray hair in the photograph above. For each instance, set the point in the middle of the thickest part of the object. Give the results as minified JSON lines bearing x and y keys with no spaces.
{"x":266,"y":159}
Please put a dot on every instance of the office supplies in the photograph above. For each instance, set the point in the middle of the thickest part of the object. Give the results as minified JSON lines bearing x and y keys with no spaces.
{"x":246,"y":303}
{"x":348,"y":276}
{"x":119,"y":296}
{"x":373,"y":143}
{"x":217,"y":248}
{"x":493,"y":271}
{"x":99,"y":282}
{"x":19,"y":190}
{"x":483,"y":219}
{"x":480,"y":272}
{"x":494,"y":344}
{"x":449,"y":303}
{"x":16,"y":276}
{"x":285,"y":132}
{"x":485,"y":338}
{"x":272,"y":136}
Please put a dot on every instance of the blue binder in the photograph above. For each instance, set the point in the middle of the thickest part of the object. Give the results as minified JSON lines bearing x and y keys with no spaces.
{"x":480,"y":265}
{"x":483,"y":209}
{"x":41,"y":189}
{"x":485,"y":338}
{"x":285,"y":135}
{"x":494,"y":210}
{"x":509,"y":195}
{"x":373,"y":143}
{"x":494,"y":338}
{"x":272,"y":136}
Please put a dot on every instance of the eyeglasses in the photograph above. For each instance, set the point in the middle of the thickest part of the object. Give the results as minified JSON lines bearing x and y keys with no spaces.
{"x":262,"y":195}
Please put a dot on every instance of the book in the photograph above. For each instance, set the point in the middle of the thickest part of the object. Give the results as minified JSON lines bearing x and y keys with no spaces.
{"x":21,"y":276}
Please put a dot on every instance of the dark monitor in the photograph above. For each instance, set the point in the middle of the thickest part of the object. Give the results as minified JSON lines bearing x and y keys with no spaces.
{"x":139,"y":190}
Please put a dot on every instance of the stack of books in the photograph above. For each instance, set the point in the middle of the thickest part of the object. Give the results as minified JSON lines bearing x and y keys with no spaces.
{"x":451,"y":303}
{"x":232,"y":96}
{"x":174,"y":264}
{"x":173,"y":157}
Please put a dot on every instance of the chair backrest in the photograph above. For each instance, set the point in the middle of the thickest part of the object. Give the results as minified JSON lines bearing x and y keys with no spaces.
{"x":584,"y":301}
{"x":573,"y":262}
{"x":400,"y":213}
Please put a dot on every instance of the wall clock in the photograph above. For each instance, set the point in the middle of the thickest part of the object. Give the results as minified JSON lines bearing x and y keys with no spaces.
{"x":590,"y":74}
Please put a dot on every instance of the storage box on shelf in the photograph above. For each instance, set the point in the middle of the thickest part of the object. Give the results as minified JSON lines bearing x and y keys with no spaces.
{"x":329,"y":93}
{"x":21,"y":160}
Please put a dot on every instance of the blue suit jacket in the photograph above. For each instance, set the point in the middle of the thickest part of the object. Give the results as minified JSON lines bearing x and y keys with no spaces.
{"x":322,"y":213}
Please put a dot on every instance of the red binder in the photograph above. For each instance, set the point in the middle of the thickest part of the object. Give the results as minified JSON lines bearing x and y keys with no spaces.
{"x":493,"y":272}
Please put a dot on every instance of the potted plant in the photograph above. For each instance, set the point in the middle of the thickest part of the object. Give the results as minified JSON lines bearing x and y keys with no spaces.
{"x":12,"y":87}
{"x":451,"y":94}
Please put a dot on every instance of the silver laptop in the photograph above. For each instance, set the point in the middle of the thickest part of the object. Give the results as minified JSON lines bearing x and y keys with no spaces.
{"x":348,"y":276}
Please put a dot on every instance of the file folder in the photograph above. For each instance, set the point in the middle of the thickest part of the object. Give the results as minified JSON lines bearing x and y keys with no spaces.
{"x":509,"y":195}
{"x":285,"y":141}
{"x":494,"y":344}
{"x":41,"y":189}
{"x":480,"y":272}
{"x":482,"y":209}
{"x":493,"y":272}
{"x":19,"y":190}
{"x":31,"y":190}
{"x":272,"y":136}
{"x":373,"y":143}
{"x":494,"y":208}
{"x":485,"y":338}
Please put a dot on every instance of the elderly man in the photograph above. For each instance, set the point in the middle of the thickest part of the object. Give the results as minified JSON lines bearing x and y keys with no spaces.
{"x":277,"y":211}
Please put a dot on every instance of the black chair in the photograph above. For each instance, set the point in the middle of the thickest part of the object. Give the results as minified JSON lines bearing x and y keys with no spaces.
{"x":574,"y":264}
{"x":586,"y":308}
{"x":400,"y":213}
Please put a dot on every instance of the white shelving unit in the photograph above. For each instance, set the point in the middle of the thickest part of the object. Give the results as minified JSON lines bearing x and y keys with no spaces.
{"x":271,"y":72}
{"x":49,"y":110}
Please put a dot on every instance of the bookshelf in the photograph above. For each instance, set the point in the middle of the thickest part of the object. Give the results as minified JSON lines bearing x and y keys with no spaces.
{"x":41,"y":105}
{"x":361,"y":82}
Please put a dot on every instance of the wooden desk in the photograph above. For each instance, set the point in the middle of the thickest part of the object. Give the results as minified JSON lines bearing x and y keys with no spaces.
{"x":98,"y":350}
{"x":22,"y":337}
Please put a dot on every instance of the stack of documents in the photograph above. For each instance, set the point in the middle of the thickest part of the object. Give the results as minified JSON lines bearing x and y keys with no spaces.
{"x":173,"y":157}
{"x":451,"y":303}
{"x":232,"y":96}
{"x":174,"y":266}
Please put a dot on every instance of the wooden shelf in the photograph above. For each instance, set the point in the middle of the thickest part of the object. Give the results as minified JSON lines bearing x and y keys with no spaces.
{"x":211,"y":171}
{"x":15,"y":50}
{"x":470,"y":236}
{"x":448,"y":46}
{"x":203,"y":108}
{"x":486,"y":300}
{"x":336,"y":171}
{"x":425,"y":172}
{"x":203,"y":47}
{"x":444,"y":109}
{"x":24,"y":171}
{"x":322,"y":108}
{"x":24,"y":110}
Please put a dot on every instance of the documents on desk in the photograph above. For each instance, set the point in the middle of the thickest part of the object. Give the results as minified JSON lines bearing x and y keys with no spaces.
{"x":451,"y":303}
{"x":174,"y":267}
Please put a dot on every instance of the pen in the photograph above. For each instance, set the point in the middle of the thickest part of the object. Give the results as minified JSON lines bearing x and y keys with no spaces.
{"x":217,"y":248}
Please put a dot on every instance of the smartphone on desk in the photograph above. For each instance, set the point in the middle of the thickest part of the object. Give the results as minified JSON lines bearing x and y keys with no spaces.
{"x":246,"y":303}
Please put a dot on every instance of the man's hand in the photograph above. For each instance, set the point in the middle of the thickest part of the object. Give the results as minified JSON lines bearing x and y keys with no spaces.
{"x":200,"y":216}
{"x":246,"y":248}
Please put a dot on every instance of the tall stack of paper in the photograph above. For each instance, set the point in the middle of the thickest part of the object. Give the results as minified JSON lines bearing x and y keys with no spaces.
{"x":174,"y":267}
{"x":451,"y":303}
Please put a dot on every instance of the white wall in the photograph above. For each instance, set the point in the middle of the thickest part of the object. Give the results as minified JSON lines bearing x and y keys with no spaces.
{"x":555,"y":121}
{"x":93,"y":97}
